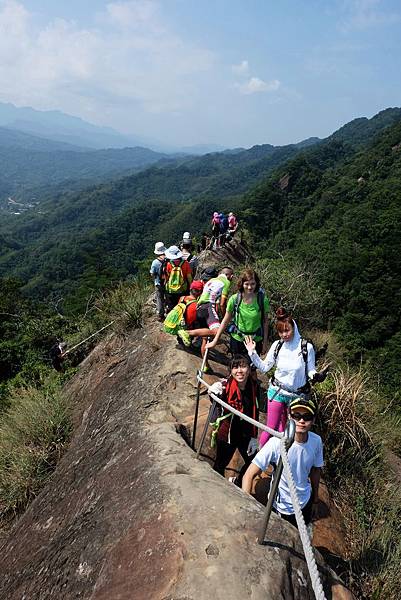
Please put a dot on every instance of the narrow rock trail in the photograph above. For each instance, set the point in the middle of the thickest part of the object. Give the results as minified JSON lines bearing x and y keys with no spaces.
{"x":130,"y":514}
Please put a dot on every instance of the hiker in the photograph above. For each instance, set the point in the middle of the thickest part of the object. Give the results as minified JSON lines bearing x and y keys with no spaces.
{"x":247,"y":314}
{"x":306,"y":460}
{"x":215,"y":289}
{"x":156,"y":273}
{"x":232,"y":223}
{"x":294,"y":362}
{"x":215,"y":239}
{"x":57,"y":355}
{"x":223,"y":225}
{"x":187,"y":252}
{"x":230,"y":431}
{"x":184,"y":313}
{"x":178,"y":276}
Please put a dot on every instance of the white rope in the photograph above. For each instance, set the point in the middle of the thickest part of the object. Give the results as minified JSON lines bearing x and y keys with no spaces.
{"x":88,"y":338}
{"x":303,"y":533}
{"x":273,"y":432}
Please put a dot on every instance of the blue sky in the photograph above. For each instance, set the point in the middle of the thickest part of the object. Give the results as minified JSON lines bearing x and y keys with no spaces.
{"x":184,"y":72}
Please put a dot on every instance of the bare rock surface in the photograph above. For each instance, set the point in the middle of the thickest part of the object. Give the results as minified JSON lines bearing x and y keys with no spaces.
{"x":129,"y":513}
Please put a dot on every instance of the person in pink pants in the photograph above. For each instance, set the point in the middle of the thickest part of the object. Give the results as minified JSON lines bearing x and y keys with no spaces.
{"x":294,"y":362}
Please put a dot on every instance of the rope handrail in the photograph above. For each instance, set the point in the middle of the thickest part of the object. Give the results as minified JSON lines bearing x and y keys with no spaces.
{"x":88,"y":338}
{"x":257,"y":424}
{"x":306,"y":544}
{"x":303,"y":533}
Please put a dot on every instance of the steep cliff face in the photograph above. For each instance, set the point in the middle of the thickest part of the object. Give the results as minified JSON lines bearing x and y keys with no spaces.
{"x":130,"y":513}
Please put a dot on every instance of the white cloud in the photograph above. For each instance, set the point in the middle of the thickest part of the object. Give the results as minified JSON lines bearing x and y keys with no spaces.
{"x":241,"y":69}
{"x":255,"y":85}
{"x":128,"y":58}
{"x":365,"y":14}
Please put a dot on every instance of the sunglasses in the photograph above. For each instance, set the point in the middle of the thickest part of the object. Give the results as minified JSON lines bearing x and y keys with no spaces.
{"x":304,"y":416}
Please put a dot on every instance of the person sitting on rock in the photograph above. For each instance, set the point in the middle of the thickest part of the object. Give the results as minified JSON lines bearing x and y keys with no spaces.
{"x":216,"y":289}
{"x":306,"y":460}
{"x":234,"y":433}
{"x":57,"y":355}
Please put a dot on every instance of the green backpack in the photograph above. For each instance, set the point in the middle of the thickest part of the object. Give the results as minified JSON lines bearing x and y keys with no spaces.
{"x":176,"y":282}
{"x":175,"y":318}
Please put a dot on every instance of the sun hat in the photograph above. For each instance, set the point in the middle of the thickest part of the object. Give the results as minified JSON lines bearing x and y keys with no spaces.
{"x":159,"y":248}
{"x":173,"y":252}
{"x":197,"y":285}
{"x":307,"y":403}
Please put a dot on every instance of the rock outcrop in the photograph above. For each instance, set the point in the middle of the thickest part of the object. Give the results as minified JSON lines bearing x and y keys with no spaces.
{"x":129,"y":513}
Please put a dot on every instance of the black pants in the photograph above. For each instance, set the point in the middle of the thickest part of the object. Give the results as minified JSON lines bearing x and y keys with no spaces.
{"x":306,"y":511}
{"x":237,"y":347}
{"x":172,"y":299}
{"x":225,"y":452}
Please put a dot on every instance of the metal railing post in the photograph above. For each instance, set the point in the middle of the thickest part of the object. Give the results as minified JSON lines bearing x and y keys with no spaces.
{"x":204,"y":432}
{"x":289,"y":435}
{"x":200,"y":373}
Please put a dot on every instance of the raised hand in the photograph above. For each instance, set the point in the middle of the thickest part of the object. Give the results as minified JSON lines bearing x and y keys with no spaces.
{"x":249,"y":342}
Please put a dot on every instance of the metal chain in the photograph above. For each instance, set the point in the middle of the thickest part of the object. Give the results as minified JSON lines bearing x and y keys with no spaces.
{"x":303,"y":533}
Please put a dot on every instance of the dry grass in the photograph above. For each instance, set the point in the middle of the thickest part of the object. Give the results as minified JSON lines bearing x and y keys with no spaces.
{"x":33,"y":434}
{"x":343,"y":407}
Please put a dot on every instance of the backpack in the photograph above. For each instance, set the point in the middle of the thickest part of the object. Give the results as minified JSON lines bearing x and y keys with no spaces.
{"x":163,"y":273}
{"x":223,"y":223}
{"x":174,"y":320}
{"x":176,"y":281}
{"x":233,"y":327}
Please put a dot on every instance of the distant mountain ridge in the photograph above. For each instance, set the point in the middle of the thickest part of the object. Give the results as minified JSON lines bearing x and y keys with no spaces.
{"x":58,"y":126}
{"x":81,"y":241}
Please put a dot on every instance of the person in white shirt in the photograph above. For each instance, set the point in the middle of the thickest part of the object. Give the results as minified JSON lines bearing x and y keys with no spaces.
{"x":294,"y":359}
{"x":306,"y":460}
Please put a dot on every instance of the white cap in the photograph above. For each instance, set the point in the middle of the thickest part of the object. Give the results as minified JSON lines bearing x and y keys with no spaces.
{"x":160,"y":248}
{"x":186,"y":235}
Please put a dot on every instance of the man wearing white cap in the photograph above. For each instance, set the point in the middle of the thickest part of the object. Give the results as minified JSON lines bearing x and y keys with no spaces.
{"x":155,"y":272}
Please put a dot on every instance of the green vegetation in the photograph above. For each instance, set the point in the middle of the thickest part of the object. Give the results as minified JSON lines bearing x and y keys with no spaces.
{"x":324,"y":223}
{"x":361,"y":482}
{"x":33,"y":433}
{"x":35,"y":419}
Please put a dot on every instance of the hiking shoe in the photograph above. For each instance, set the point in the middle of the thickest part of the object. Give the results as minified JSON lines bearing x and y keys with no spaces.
{"x":207,"y":369}
{"x":232,"y":480}
{"x":184,"y":335}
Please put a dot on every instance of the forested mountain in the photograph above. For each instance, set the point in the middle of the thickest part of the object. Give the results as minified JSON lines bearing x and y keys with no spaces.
{"x":37,"y":243}
{"x":343,"y":214}
{"x":79,"y":242}
{"x":30,"y":166}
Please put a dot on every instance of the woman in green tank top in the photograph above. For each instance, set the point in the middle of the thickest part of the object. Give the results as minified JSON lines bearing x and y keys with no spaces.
{"x":246,"y":314}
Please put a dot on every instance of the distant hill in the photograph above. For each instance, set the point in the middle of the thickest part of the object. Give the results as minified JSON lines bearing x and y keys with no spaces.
{"x":30,"y":165}
{"x":77,"y":242}
{"x":58,"y":126}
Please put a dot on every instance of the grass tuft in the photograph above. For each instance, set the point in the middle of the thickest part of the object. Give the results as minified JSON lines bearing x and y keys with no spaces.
{"x":33,"y":433}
